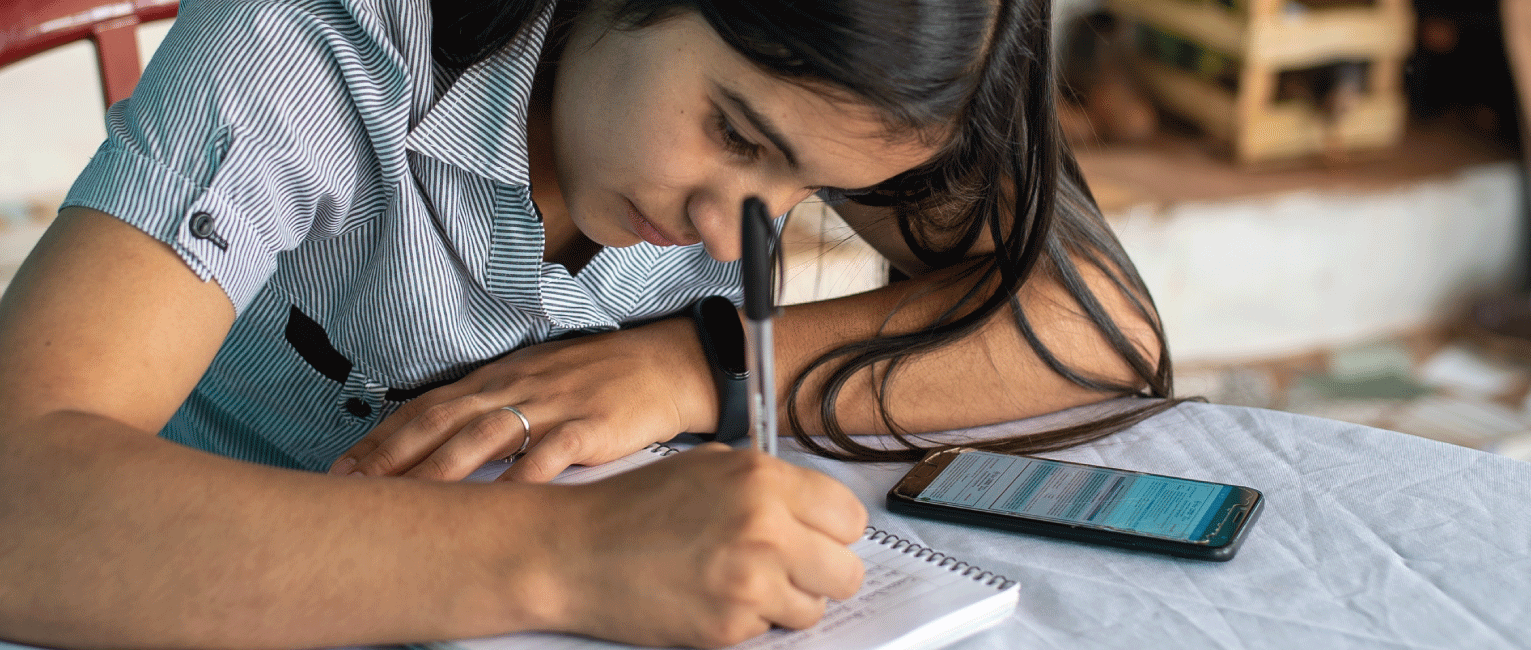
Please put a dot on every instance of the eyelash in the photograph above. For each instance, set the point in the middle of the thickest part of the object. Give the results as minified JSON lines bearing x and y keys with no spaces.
{"x":733,"y":142}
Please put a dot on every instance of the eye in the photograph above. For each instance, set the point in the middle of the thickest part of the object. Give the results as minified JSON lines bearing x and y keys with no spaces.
{"x":733,"y":141}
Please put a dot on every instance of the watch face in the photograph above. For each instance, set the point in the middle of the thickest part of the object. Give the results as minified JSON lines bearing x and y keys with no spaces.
{"x":722,"y":325}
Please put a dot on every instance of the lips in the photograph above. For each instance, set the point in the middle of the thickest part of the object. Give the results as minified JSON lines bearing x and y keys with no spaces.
{"x":645,"y":228}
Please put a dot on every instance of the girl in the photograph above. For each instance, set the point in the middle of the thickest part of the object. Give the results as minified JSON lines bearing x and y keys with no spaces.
{"x":382,"y":237}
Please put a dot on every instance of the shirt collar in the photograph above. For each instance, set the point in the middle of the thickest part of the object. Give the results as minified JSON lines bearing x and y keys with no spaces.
{"x":480,"y":123}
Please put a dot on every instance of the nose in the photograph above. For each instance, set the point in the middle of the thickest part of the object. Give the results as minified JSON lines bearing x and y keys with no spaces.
{"x":717,"y":214}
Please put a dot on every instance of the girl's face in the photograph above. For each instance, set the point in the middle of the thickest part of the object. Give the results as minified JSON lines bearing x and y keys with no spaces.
{"x":660,"y":133}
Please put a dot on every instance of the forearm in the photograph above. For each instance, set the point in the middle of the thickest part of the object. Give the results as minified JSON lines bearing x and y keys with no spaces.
{"x":117,"y":539}
{"x":991,"y":376}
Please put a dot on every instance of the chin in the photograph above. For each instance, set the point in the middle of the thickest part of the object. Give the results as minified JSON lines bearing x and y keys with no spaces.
{"x":616,"y":239}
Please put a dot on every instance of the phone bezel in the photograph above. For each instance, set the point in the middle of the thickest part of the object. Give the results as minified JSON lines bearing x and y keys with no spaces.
{"x":1237,"y":513}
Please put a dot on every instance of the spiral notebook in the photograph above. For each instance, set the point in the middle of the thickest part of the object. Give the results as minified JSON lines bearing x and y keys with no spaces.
{"x":913,"y":597}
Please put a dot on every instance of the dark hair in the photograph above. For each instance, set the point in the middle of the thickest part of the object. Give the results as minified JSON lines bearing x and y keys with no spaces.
{"x":980,"y":74}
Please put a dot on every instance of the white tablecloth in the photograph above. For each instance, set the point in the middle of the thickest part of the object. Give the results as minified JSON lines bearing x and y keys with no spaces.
{"x":1369,"y":539}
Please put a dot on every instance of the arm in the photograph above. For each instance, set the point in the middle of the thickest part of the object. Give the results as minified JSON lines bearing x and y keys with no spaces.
{"x":116,"y":538}
{"x":992,"y":376}
{"x":124,"y":536}
{"x":599,"y":397}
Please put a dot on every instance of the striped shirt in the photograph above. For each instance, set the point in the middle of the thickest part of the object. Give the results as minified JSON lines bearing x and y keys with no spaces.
{"x":369,"y":217}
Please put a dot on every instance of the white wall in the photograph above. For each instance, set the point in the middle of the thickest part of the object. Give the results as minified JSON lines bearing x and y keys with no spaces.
{"x":1274,"y":276}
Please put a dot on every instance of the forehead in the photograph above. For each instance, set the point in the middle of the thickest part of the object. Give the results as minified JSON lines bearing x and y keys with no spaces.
{"x":838,"y":140}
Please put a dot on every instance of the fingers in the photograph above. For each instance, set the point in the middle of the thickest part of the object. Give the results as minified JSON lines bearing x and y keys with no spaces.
{"x":349,"y":461}
{"x":801,"y":611}
{"x":579,"y":442}
{"x":726,"y":544}
{"x":346,"y":463}
{"x":820,"y":566}
{"x":813,"y":520}
{"x":791,"y":609}
{"x":557,"y":451}
{"x":754,"y":590}
{"x":446,"y":440}
{"x":827,"y":506}
{"x":500,"y":433}
{"x":820,"y":562}
{"x":625,"y":381}
{"x":789,"y":583}
{"x":731,"y":624}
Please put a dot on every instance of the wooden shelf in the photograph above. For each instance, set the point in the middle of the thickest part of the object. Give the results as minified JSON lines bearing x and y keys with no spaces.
{"x":1227,"y":83}
{"x":1177,"y":166}
{"x":1286,"y":40}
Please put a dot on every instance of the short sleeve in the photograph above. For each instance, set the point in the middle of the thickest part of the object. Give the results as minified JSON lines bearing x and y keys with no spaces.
{"x":241,"y":140}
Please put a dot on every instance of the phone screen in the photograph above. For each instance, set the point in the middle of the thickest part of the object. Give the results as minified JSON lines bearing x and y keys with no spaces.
{"x":1159,"y":506}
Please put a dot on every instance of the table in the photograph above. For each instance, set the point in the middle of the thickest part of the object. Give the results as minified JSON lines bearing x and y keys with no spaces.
{"x":1369,"y":539}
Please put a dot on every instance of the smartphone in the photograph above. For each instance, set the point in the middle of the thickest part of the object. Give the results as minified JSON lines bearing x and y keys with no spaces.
{"x":1087,"y":503}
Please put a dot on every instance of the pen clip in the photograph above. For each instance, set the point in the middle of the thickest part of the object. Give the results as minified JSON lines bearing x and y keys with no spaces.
{"x":760,"y":249}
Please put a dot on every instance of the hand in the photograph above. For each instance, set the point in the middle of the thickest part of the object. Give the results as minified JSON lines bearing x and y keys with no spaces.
{"x":589,"y":400}
{"x":704,"y":549}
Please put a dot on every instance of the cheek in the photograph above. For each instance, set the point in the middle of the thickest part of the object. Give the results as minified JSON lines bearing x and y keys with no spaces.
{"x":590,"y":152}
{"x":671,"y":152}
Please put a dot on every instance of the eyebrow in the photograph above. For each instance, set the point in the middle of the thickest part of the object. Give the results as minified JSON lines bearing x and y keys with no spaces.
{"x":762,"y":125}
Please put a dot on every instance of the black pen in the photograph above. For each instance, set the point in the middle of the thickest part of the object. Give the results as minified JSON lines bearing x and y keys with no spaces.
{"x":759,"y":307}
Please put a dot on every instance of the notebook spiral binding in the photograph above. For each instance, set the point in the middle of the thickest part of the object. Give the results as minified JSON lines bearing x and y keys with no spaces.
{"x":937,"y":558}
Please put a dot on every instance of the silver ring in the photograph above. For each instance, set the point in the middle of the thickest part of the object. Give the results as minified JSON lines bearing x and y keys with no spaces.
{"x":526,"y":426}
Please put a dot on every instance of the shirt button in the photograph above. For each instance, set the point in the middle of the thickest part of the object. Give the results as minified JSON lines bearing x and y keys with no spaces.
{"x":358,"y":407}
{"x":202,"y":227}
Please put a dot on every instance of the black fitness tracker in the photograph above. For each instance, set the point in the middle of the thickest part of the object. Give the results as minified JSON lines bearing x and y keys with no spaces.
{"x":722,"y":336}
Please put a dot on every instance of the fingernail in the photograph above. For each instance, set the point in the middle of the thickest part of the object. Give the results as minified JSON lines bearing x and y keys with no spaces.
{"x":343,"y":466}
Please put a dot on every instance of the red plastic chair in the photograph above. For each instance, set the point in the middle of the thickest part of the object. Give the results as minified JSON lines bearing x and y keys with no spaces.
{"x":29,"y":27}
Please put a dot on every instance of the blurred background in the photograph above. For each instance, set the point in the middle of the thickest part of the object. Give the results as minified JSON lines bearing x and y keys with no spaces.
{"x":1326,"y":197}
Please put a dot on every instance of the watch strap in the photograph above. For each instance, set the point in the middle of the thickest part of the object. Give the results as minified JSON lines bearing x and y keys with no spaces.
{"x":722,"y":338}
